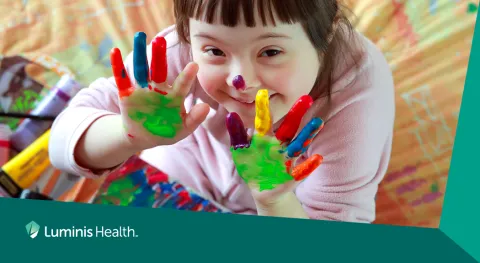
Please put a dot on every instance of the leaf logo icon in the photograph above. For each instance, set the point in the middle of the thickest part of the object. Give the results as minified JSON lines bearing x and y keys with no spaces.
{"x":32,"y":229}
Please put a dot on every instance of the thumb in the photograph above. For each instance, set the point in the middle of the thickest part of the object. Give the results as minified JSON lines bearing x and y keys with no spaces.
{"x":196,"y":116}
{"x":185,"y":80}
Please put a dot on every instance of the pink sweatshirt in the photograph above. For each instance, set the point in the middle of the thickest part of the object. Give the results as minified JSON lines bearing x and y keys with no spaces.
{"x":355,"y":142}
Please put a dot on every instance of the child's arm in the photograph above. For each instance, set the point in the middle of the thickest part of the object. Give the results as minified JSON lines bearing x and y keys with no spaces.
{"x":288,"y":206}
{"x":85,"y":136}
{"x":103,"y":145}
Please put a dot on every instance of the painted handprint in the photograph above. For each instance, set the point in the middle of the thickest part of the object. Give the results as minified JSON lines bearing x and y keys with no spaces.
{"x":268,"y":161}
{"x":153,"y":112}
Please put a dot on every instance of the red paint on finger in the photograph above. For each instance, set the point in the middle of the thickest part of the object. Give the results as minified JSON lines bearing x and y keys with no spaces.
{"x":131,"y":136}
{"x":303,"y":170}
{"x":288,"y":165}
{"x":158,"y":68}
{"x":289,"y":126}
{"x":120,"y":74}
{"x":307,"y":143}
{"x":160,"y":91}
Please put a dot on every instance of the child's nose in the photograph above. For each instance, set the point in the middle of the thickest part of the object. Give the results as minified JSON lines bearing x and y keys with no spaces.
{"x":243,"y":79}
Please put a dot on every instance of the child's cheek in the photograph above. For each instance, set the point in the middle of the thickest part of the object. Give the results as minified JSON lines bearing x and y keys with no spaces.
{"x":279,"y":79}
{"x":210,"y":81}
{"x":281,"y":83}
{"x":294,"y":83}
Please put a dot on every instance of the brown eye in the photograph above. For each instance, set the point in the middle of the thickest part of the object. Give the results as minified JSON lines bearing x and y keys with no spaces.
{"x":215,"y":52}
{"x":270,"y":53}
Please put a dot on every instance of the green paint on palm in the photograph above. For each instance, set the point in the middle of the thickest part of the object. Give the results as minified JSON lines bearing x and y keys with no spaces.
{"x":160,"y":114}
{"x":261,"y":163}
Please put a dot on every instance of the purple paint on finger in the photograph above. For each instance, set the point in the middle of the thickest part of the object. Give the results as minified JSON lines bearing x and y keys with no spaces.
{"x":238,"y":134}
{"x":238,"y":82}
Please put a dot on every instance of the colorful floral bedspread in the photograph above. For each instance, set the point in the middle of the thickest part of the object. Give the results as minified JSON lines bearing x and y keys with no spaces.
{"x":426,"y":42}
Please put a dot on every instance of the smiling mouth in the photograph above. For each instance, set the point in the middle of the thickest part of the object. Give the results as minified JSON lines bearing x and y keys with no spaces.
{"x":251,"y":102}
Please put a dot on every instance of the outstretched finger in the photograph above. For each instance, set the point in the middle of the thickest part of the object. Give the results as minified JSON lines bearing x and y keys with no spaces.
{"x":301,"y":143}
{"x":185,"y":80}
{"x":196,"y":116}
{"x":140,"y":61}
{"x":236,"y":130}
{"x":287,"y":130}
{"x":158,"y":67}
{"x":263,"y":121}
{"x":120,"y":74}
{"x":304,"y":169}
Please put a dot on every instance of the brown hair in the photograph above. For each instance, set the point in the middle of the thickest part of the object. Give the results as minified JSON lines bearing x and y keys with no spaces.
{"x":316,"y":16}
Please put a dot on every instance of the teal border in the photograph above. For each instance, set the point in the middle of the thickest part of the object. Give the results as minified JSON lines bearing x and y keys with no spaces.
{"x":167,"y":235}
{"x":461,"y":208}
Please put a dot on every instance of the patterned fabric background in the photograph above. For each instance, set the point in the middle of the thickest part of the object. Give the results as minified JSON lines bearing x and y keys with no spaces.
{"x":427,"y":43}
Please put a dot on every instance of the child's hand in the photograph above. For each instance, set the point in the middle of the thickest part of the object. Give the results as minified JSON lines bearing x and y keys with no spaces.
{"x":268,"y":163}
{"x":153,"y":112}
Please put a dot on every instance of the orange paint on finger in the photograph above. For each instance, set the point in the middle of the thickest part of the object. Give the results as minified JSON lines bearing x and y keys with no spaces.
{"x":303,"y":170}
{"x":120,"y":74}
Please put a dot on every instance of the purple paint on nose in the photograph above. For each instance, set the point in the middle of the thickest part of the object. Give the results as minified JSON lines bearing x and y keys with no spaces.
{"x":238,"y":82}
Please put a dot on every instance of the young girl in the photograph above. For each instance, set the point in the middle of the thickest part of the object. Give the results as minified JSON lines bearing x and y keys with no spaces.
{"x":219,"y":55}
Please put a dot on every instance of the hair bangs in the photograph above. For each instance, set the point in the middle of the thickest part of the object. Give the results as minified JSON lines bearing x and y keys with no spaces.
{"x":232,"y":12}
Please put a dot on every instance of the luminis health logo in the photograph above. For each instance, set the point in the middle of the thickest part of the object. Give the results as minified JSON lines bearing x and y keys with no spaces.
{"x":32,"y":229}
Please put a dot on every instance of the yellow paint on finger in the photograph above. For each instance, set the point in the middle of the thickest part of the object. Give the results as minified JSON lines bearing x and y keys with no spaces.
{"x":262,"y":114}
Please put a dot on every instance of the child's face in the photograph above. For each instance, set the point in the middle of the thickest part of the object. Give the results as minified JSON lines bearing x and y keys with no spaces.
{"x":280,"y":59}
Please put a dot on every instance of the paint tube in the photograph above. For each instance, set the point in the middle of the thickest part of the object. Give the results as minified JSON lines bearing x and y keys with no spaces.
{"x":52,"y":105}
{"x":23,"y":170}
{"x":5,"y":134}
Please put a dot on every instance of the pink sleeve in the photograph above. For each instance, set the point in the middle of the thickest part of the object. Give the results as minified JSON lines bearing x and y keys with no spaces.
{"x":356,"y":144}
{"x":98,"y":100}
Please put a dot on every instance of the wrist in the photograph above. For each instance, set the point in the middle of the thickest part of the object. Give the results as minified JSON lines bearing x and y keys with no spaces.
{"x":287,"y":205}
{"x":104,"y":144}
{"x":273,"y":203}
{"x":127,"y":143}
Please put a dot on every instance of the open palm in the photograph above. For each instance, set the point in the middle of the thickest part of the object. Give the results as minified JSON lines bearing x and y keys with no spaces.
{"x":153,"y":112}
{"x":268,"y":163}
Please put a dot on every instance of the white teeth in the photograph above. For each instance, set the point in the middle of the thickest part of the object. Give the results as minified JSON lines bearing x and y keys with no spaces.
{"x":247,"y":102}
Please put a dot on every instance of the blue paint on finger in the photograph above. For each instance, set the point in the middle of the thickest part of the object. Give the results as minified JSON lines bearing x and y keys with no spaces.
{"x":140,"y":61}
{"x":301,"y":143}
